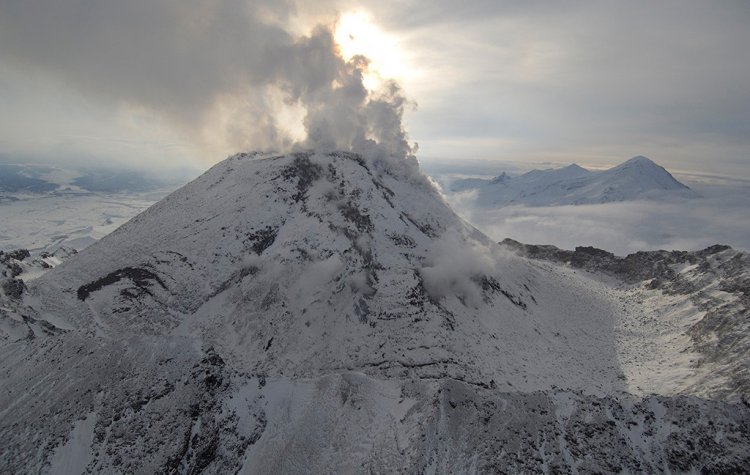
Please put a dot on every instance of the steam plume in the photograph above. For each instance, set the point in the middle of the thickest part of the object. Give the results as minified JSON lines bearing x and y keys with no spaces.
{"x":220,"y":71}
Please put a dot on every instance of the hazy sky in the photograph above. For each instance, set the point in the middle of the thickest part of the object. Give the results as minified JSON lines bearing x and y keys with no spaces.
{"x":168,"y":82}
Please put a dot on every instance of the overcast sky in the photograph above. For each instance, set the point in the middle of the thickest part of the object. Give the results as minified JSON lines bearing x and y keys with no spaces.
{"x":170,"y":82}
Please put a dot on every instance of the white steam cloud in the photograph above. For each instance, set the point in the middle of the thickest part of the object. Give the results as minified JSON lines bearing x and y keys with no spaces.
{"x":229,"y":74}
{"x":454,"y":263}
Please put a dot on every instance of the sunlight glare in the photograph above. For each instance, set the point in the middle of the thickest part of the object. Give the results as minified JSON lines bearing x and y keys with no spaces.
{"x":356,"y":34}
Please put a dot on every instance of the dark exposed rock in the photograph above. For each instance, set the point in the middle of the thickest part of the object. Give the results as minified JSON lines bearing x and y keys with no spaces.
{"x":262,"y":239}
{"x":14,"y":269}
{"x":305,"y":171}
{"x":353,"y":214}
{"x":141,"y":278}
{"x":531,"y":433}
{"x":425,"y":228}
{"x":636,"y":267}
{"x":403,"y":240}
{"x":64,"y":252}
{"x":14,"y":288}
{"x":490,"y":284}
{"x":18,"y":254}
{"x":205,"y":446}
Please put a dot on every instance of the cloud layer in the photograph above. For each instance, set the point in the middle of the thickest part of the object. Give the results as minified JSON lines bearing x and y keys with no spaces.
{"x":721,"y":216}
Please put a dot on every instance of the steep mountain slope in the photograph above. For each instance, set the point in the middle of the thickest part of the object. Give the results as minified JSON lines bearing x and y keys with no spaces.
{"x":285,"y":250}
{"x":637,"y":178}
{"x":321,"y":313}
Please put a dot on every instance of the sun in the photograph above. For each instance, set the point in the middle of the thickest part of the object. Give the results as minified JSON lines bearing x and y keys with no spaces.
{"x":357,"y":34}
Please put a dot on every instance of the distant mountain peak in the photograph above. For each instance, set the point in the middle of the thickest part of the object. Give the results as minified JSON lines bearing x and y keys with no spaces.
{"x":640,"y":159}
{"x":647,"y":173}
{"x":501,"y":178}
{"x":641,"y":162}
{"x":637,"y":178}
{"x":571,"y":171}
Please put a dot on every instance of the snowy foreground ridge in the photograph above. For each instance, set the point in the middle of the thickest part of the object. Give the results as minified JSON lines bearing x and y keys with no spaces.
{"x":326,"y":313}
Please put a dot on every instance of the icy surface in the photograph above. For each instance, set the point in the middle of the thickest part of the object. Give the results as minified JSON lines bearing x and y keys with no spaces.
{"x":77,"y":220}
{"x":329,"y":313}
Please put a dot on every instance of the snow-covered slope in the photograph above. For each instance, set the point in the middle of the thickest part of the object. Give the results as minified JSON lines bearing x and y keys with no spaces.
{"x":328,"y":313}
{"x":637,"y":178}
{"x":687,"y":314}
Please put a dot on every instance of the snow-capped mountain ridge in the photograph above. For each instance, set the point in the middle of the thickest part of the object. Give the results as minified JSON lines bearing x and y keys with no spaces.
{"x":637,"y":178}
{"x":328,"y":312}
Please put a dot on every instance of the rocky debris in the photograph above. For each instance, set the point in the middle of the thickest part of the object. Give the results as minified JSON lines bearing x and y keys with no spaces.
{"x":657,"y":266}
{"x":154,"y":409}
{"x":12,"y":269}
{"x":15,"y":266}
{"x":305,"y":171}
{"x":353,"y":214}
{"x":563,"y":432}
{"x":10,"y":263}
{"x":17,"y":262}
{"x":402,"y":240}
{"x":18,"y":254}
{"x":14,"y":288}
{"x":444,"y":425}
{"x":18,"y":268}
{"x":62,"y":253}
{"x":262,"y":239}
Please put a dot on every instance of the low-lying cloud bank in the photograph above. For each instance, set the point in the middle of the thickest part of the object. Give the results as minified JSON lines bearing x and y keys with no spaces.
{"x":721,"y":216}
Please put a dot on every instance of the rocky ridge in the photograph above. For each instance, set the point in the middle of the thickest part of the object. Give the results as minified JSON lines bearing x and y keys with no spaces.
{"x":716,"y":280}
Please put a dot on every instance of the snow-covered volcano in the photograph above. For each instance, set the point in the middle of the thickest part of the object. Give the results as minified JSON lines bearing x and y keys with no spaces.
{"x":635,"y":179}
{"x":326,"y":313}
{"x":311,"y":263}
